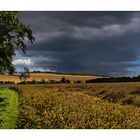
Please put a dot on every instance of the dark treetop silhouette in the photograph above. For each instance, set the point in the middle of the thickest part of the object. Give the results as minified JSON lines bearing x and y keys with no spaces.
{"x":12,"y":35}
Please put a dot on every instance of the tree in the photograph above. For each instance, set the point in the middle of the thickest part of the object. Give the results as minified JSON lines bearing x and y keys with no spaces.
{"x":12,"y":35}
{"x":24,"y":75}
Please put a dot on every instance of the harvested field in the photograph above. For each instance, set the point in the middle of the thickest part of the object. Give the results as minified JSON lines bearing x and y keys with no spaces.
{"x":46,"y":76}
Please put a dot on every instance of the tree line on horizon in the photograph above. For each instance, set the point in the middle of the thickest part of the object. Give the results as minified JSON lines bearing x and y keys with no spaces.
{"x":115,"y":79}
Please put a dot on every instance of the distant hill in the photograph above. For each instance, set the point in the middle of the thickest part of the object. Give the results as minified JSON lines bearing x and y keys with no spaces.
{"x":69,"y":73}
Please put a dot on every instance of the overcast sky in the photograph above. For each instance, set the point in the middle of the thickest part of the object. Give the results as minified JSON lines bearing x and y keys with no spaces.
{"x":103,"y":43}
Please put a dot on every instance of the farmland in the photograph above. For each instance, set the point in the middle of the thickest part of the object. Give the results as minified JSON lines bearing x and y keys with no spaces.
{"x":113,"y":105}
{"x":46,"y":76}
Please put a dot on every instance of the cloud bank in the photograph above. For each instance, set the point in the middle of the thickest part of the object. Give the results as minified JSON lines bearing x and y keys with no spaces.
{"x":23,"y":62}
{"x":104,"y":43}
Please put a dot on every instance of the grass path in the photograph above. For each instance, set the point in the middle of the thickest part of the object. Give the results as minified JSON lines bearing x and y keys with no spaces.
{"x":9,"y":108}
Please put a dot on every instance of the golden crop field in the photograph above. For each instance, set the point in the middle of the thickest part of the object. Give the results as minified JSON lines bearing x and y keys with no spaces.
{"x":114,"y":105}
{"x":46,"y":76}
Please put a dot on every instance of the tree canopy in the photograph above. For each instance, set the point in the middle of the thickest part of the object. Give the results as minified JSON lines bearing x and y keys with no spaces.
{"x":13,"y":34}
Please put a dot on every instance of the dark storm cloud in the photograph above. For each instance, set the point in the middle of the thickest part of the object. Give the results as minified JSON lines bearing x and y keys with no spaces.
{"x":89,"y":42}
{"x":83,"y":18}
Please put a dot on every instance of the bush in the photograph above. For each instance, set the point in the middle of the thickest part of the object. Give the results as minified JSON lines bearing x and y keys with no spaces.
{"x":77,"y":82}
{"x":64,"y":80}
{"x":43,"y":81}
{"x":7,"y":82}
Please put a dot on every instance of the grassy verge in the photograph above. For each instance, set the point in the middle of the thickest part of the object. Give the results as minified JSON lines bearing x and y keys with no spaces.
{"x":9,"y":108}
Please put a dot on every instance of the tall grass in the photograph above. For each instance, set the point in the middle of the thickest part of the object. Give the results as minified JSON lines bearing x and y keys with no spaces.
{"x":79,"y":106}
